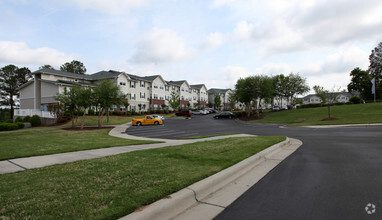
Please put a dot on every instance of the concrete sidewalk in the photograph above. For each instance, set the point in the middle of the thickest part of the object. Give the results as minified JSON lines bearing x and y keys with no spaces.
{"x":20,"y":164}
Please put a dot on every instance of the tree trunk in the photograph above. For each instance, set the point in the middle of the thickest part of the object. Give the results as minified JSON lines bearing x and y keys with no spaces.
{"x":83,"y":121}
{"x":100,"y":118}
{"x":329,"y":110}
{"x":248,"y":109}
{"x":12,"y":108}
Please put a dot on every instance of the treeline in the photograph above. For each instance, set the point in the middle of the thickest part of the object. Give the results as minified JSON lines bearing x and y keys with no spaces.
{"x":253,"y":90}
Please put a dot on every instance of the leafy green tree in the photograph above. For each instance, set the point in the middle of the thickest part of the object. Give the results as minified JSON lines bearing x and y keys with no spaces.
{"x":106,"y":94}
{"x":217,"y":101}
{"x":266,"y":89}
{"x":174,"y":101}
{"x":125,"y":102}
{"x":327,"y":97}
{"x":84,"y":98}
{"x":243,"y":92}
{"x":46,"y":66}
{"x":280,"y":84}
{"x":232,"y":100}
{"x":375,"y":68}
{"x":73,"y":67}
{"x":69,"y":101}
{"x":296,"y":86}
{"x":11,"y":78}
{"x":360,"y":82}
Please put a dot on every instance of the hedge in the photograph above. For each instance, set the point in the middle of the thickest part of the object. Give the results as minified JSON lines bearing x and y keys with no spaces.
{"x":8,"y":126}
{"x":35,"y":120}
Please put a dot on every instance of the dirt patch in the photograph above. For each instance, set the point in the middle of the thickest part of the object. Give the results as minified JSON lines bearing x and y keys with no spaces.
{"x":329,"y":119}
{"x":86,"y":128}
{"x":251,"y":117}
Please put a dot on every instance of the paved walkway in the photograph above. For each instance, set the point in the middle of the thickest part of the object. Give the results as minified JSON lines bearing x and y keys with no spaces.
{"x":20,"y":164}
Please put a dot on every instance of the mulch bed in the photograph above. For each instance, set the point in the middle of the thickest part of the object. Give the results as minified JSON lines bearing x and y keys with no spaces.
{"x":329,"y":119}
{"x":86,"y":128}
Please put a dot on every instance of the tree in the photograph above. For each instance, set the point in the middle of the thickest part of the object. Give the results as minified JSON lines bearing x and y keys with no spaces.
{"x":296,"y":86}
{"x":46,"y":66}
{"x":106,"y":94}
{"x":327,"y":97}
{"x":84,"y":98}
{"x":125,"y":102}
{"x":174,"y":101}
{"x":375,"y":68}
{"x":243,"y":92}
{"x":232,"y":100}
{"x":73,"y":67}
{"x":280,"y":83}
{"x":217,"y":101}
{"x":360,"y":82}
{"x":11,"y":78}
{"x":266,"y":89}
{"x":69,"y":101}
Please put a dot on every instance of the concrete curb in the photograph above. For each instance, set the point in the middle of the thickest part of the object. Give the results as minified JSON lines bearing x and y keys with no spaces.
{"x":184,"y":199}
{"x":343,"y":125}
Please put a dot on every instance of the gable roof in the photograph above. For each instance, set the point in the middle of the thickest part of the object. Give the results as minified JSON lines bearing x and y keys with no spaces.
{"x":198,"y":86}
{"x":63,"y":73}
{"x":178,"y":83}
{"x":215,"y":90}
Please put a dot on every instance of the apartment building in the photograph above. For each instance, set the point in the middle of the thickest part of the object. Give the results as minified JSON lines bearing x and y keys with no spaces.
{"x":144,"y":92}
{"x":342,"y":97}
{"x":224,"y":95}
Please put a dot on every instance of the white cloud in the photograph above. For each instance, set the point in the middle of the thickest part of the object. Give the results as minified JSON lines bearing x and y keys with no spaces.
{"x":21,"y":53}
{"x":110,"y":6}
{"x":161,"y":45}
{"x":212,"y":41}
{"x":300,"y":25}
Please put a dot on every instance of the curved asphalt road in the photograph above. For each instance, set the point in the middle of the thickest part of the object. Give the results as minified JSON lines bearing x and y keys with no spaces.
{"x":334,"y":175}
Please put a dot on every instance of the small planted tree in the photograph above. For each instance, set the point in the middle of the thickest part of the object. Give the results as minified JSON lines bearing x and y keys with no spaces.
{"x":69,"y":102}
{"x":106,"y":94}
{"x":217,"y":101}
{"x":327,"y":97}
{"x":174,"y":101}
{"x":84,"y":102}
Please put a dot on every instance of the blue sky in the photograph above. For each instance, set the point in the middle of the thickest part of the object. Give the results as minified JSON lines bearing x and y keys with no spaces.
{"x":214,"y":42}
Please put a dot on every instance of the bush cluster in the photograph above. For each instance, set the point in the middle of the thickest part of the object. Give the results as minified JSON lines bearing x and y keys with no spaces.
{"x":5,"y":126}
{"x":35,"y":120}
{"x":312,"y":105}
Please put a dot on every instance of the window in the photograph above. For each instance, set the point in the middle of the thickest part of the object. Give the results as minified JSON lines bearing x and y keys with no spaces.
{"x":132,"y":107}
{"x":155,"y":96}
{"x":167,"y":88}
{"x":173,"y":87}
{"x":122,"y":83}
{"x":182,"y":98}
{"x":132,"y":96}
{"x":132,"y":84}
{"x":161,"y":97}
{"x":142,"y":95}
{"x":155,"y":106}
{"x":143,"y":84}
{"x":161,"y":86}
{"x":182,"y":89}
{"x":155,"y":85}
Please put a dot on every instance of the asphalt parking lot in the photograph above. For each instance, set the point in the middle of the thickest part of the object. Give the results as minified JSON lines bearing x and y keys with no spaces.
{"x":335,"y":174}
{"x":197,"y":125}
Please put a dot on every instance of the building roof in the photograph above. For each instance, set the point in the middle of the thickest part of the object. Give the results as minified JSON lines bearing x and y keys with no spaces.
{"x":215,"y":90}
{"x":111,"y":74}
{"x":63,"y":73}
{"x":198,"y":86}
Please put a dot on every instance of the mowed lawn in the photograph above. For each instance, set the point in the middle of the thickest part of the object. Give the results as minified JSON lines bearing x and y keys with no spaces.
{"x":346,"y":114}
{"x":112,"y":187}
{"x":51,"y":140}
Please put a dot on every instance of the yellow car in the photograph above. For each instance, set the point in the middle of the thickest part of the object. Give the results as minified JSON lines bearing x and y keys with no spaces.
{"x":148,"y":120}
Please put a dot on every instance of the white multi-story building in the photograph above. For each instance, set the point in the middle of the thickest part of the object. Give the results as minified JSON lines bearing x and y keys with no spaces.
{"x":144,"y":92}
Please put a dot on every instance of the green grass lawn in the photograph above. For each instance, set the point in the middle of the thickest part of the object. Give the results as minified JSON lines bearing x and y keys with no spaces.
{"x":112,"y":187}
{"x":51,"y":140}
{"x":206,"y":136}
{"x":346,"y":114}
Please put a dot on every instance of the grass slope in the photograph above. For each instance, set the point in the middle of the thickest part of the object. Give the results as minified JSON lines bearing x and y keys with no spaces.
{"x":111,"y":187}
{"x":346,"y":114}
{"x":43,"y":141}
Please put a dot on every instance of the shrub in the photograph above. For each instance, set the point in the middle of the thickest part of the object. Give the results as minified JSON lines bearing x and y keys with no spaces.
{"x":35,"y":120}
{"x":67,"y":116}
{"x":355,"y":100}
{"x":128,"y":112}
{"x":312,"y":105}
{"x":239,"y":114}
{"x":8,"y":126}
{"x":91,"y":112}
{"x":27,"y":118}
{"x":19,"y":119}
{"x":20,"y":124}
{"x":8,"y":121}
{"x":166,"y":111}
